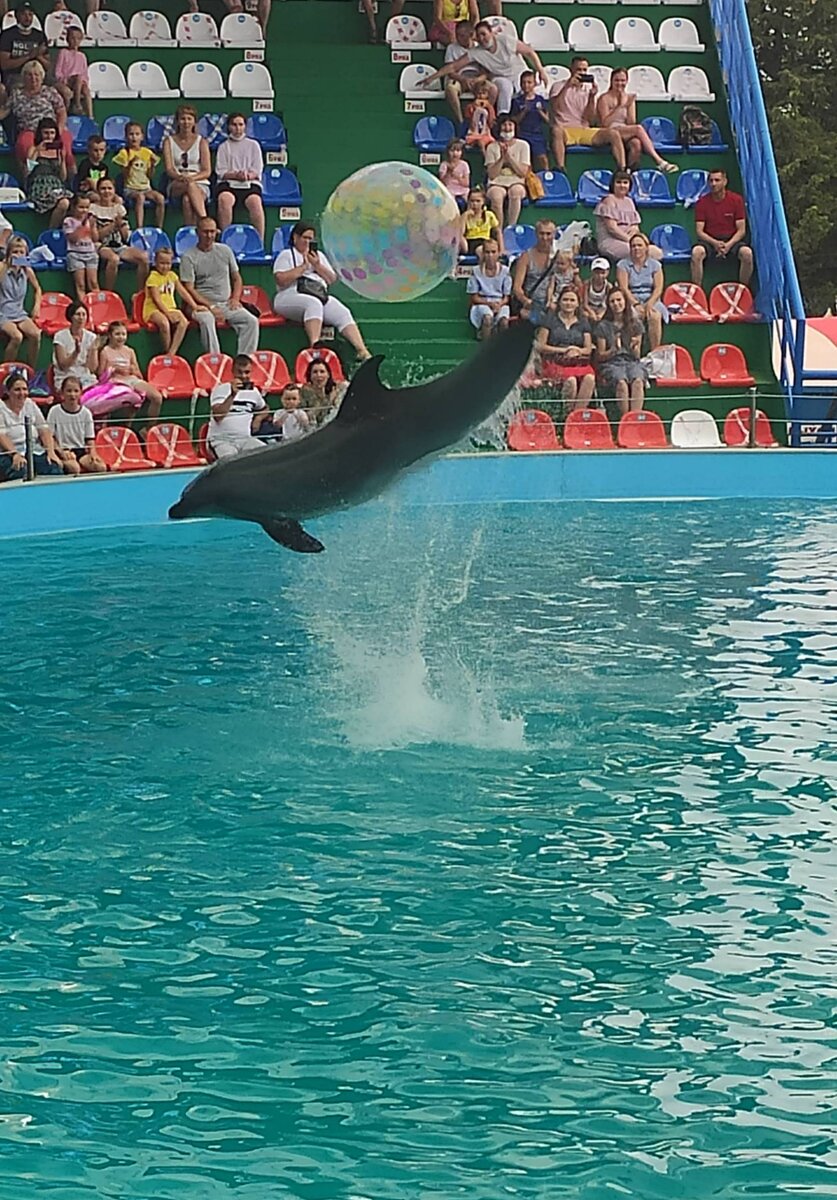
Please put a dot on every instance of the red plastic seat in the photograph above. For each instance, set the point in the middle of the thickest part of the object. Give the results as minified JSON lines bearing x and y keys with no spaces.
{"x":685,"y":375}
{"x":318,"y":354}
{"x":257,"y":297}
{"x":212,"y":369}
{"x":9,"y":368}
{"x":120,"y":449}
{"x":642,"y":430}
{"x":171,"y":375}
{"x":731,"y":302}
{"x":532,"y":429}
{"x":723,"y":365}
{"x":51,"y":318}
{"x":105,"y":307}
{"x":587,"y":429}
{"x":737,"y":428}
{"x":169,"y":445}
{"x":270,"y":372}
{"x":687,"y":303}
{"x":202,"y":443}
{"x":137,"y":304}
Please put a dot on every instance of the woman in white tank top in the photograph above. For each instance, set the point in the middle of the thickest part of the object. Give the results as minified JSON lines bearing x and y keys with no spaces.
{"x":188,"y":165}
{"x":616,"y":109}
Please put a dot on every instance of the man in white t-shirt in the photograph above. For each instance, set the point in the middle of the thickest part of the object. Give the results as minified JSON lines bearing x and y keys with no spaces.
{"x":501,"y":56}
{"x":463,"y":80}
{"x":238,"y":411}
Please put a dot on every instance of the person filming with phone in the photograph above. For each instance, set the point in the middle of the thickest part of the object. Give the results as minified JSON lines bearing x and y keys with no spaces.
{"x":572,"y":111}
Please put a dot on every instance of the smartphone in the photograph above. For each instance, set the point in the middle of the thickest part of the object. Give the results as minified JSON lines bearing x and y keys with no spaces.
{"x":312,"y":245}
{"x":588,"y":78}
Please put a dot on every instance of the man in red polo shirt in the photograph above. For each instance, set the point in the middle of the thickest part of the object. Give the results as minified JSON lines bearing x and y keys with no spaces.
{"x":721,"y":226}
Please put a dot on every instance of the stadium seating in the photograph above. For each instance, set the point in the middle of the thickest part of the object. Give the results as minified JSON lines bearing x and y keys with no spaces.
{"x":268,"y":129}
{"x":81,"y":128}
{"x":212,"y":126}
{"x":587,"y":429}
{"x":16,"y":368}
{"x":256,"y":297}
{"x":241,"y":31}
{"x":120,"y":449}
{"x":687,"y":303}
{"x":406,"y":33}
{"x":730,"y":303}
{"x":245,"y":243}
{"x":212,"y":369}
{"x":202,"y":81}
{"x":592,"y":186}
{"x":689,"y":85}
{"x":202,"y":443}
{"x":281,"y":239}
{"x":737,"y":428}
{"x":545,"y":33}
{"x":674,"y":241}
{"x":558,"y":192}
{"x":54,"y":239}
{"x":410,"y":78}
{"x":518,"y":238}
{"x":680,"y":34}
{"x":532,"y":429}
{"x":685,"y":375}
{"x":185,"y":238}
{"x":318,"y":354}
{"x":107,"y":81}
{"x":151,"y":239}
{"x":724,"y":365}
{"x":108,"y":29}
{"x":649,"y":189}
{"x":634,"y":34}
{"x":663,"y":134}
{"x":151,"y":29}
{"x":56,"y":25}
{"x":432,"y":134}
{"x":172,"y":376}
{"x":250,"y":81}
{"x":647,"y":83}
{"x":691,"y":185}
{"x":113,"y":131}
{"x":197,"y":30}
{"x":168,"y":445}
{"x":104,"y":307}
{"x":643,"y":430}
{"x":280,"y":188}
{"x":270,"y":372}
{"x":149,"y":80}
{"x":587,"y":34}
{"x":51,"y":318}
{"x":694,"y":429}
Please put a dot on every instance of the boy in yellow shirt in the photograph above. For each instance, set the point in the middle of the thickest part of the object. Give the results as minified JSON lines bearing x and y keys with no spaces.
{"x":138,"y":163}
{"x":160,"y":306}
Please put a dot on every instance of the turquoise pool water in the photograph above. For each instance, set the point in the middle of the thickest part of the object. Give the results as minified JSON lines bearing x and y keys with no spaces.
{"x":490,"y":854}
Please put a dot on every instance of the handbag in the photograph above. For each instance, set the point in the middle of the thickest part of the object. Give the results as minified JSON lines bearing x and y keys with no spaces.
{"x":534,"y":186}
{"x":307,"y":286}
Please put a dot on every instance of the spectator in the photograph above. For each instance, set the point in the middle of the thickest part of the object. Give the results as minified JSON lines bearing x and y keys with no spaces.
{"x":32,"y":103}
{"x":15,"y":408}
{"x":369,"y":9}
{"x":16,"y":325}
{"x":507,"y":165}
{"x":595,"y":291}
{"x":71,"y":74}
{"x":238,"y":169}
{"x":75,"y":351}
{"x":617,"y":219}
{"x":303,"y":276}
{"x":321,"y":393}
{"x":114,"y":235}
{"x":616,"y":109}
{"x":618,"y":347}
{"x":532,"y":271}
{"x":455,"y":173}
{"x":478,"y":225}
{"x":721,"y":226}
{"x":238,"y":410}
{"x":92,"y":168}
{"x":211,"y":279}
{"x":641,"y":277}
{"x":564,"y":343}
{"x":20,"y":44}
{"x":72,"y":431}
{"x":572,"y":109}
{"x":138,"y":163}
{"x":481,"y":118}
{"x":448,"y":15}
{"x":563,"y":274}
{"x":463,"y":79}
{"x":82,"y":253}
{"x":160,"y":305}
{"x":489,"y":288}
{"x":187,"y":164}
{"x":290,"y":420}
{"x":530,"y":113}
{"x":119,"y":361}
{"x":46,"y":182}
{"x":501,"y":56}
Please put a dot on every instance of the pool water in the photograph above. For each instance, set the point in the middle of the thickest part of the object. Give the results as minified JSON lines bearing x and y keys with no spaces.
{"x":489,"y":854}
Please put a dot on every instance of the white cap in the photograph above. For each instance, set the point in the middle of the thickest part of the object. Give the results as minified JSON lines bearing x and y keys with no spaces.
{"x":599,"y":264}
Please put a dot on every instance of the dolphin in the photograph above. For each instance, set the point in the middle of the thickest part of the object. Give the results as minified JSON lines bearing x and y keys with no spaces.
{"x":377,"y":433}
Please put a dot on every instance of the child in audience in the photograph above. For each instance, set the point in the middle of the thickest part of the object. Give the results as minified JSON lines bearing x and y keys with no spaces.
{"x":595,"y":291}
{"x":478,"y":225}
{"x":138,"y":164}
{"x":160,"y":305}
{"x":291,"y":420}
{"x":481,"y":119}
{"x":82,"y":253}
{"x":75,"y":351}
{"x":92,"y":168}
{"x":114,"y":233}
{"x":564,"y":273}
{"x":16,"y":325}
{"x":119,"y":361}
{"x":71,"y":74}
{"x":455,"y":173}
{"x":46,"y":182}
{"x":73,"y":432}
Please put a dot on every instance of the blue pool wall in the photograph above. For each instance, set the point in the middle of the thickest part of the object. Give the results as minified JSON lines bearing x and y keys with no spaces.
{"x":108,"y":501}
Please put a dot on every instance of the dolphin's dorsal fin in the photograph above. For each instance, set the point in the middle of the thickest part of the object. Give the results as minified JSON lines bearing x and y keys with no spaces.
{"x":367,"y":396}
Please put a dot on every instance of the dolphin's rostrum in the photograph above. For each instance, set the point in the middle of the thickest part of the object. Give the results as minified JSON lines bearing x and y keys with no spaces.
{"x":377,"y":433}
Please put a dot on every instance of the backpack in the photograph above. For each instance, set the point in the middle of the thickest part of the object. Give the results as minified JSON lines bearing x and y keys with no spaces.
{"x":695,"y":127}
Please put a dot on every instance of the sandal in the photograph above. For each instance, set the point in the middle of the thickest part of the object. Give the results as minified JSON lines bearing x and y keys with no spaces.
{"x":669,"y":168}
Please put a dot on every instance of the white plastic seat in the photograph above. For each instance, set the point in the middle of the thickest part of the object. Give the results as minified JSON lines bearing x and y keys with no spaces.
{"x":694,"y":429}
{"x":689,"y":2}
{"x":56,"y":25}
{"x":679,"y":33}
{"x":151,"y":28}
{"x":634,"y":34}
{"x":149,"y":79}
{"x":108,"y":83}
{"x":589,"y":33}
{"x":11,"y":19}
{"x":557,"y":74}
{"x":503,"y":24}
{"x":567,"y":1}
{"x":410,"y":78}
{"x":197,"y":29}
{"x":689,"y":83}
{"x":250,"y":80}
{"x":647,"y":83}
{"x":406,"y":33}
{"x":241,"y":29}
{"x":544,"y":33}
{"x":108,"y":29}
{"x":202,"y":80}
{"x":601,"y":73}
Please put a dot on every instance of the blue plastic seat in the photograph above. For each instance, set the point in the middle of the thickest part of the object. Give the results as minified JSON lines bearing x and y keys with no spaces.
{"x":517,"y":238}
{"x":280,"y":187}
{"x":674,"y":241}
{"x":54,"y":238}
{"x":663,"y":134}
{"x":268,"y":130}
{"x":649,"y":189}
{"x":213,"y":127}
{"x":558,"y":192}
{"x":592,"y":186}
{"x":245,"y":244}
{"x":157,"y":129}
{"x":716,"y":146}
{"x":82,"y":129}
{"x":432,"y":134}
{"x":9,"y":181}
{"x":691,"y":185}
{"x":281,"y":239}
{"x":184,"y":239}
{"x":150,"y":238}
{"x":113,"y":131}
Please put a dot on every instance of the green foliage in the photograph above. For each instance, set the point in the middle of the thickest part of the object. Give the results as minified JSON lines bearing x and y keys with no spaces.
{"x":795,"y":49}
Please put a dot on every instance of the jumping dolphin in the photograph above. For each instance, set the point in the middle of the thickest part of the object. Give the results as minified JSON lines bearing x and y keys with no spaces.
{"x":377,"y":433}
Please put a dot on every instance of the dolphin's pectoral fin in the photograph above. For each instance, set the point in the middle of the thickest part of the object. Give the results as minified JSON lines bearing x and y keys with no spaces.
{"x":292,"y":536}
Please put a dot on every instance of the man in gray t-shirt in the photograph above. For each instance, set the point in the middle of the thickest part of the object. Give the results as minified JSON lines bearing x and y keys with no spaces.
{"x":210,"y":275}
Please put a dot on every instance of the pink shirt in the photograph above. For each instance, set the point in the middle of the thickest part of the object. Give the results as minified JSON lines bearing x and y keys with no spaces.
{"x":623,"y":212}
{"x":70,"y":63}
{"x":457,"y":179}
{"x":570,"y":109}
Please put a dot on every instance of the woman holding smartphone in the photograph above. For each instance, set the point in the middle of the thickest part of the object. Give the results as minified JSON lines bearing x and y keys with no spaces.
{"x":572,"y":113}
